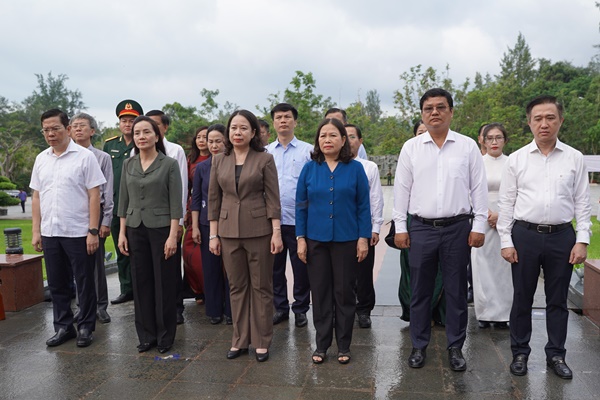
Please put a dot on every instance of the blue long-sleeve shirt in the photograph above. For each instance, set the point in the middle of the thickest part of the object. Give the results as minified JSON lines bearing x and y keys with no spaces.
{"x":200,"y":190}
{"x":333,"y":206}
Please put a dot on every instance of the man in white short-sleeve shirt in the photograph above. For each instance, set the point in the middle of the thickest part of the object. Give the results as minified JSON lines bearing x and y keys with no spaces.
{"x":66,"y":181}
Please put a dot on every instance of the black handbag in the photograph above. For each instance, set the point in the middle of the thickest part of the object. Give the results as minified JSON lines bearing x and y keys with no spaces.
{"x":389,"y":238}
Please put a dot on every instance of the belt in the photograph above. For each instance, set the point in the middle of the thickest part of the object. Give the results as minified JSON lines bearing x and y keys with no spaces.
{"x":543,"y":228}
{"x":441,"y":222}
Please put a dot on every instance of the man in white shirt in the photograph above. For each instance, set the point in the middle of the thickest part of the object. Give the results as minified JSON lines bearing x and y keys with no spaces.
{"x":83,"y":128}
{"x":66,"y":180}
{"x":341,"y":116}
{"x":440,"y":180}
{"x":365,"y":291}
{"x":174,"y":151}
{"x":290,"y":155}
{"x":544,"y":187}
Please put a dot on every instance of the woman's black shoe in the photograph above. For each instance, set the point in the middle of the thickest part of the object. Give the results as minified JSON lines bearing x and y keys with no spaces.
{"x":231,"y":354}
{"x":216,"y":320}
{"x":501,"y":325}
{"x":163,"y":349}
{"x":262,"y":357}
{"x":144,"y":347}
{"x":228,"y":320}
{"x":484,"y":324}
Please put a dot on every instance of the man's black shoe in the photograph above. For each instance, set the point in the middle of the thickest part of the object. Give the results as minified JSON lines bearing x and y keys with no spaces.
{"x":180,"y":319}
{"x":484,"y":324}
{"x":103,"y":316}
{"x":456,"y":359}
{"x":301,"y":320}
{"x":61,"y":336}
{"x":417,"y":358}
{"x":122,"y":298}
{"x":85,"y":338}
{"x":560,"y":368}
{"x":280,"y":316}
{"x":364,"y":321}
{"x":518,"y":366}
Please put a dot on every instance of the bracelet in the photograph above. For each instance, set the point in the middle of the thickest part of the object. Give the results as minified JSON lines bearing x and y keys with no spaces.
{"x":211,"y":237}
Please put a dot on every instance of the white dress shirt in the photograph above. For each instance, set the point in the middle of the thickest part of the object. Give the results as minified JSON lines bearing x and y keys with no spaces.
{"x":375,"y":193}
{"x":106,"y":190}
{"x":176,"y":152}
{"x":540,"y":189}
{"x":434,"y":182}
{"x":63,"y":182}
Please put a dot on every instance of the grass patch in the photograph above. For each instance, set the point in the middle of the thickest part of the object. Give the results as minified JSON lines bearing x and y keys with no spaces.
{"x":26,"y":235}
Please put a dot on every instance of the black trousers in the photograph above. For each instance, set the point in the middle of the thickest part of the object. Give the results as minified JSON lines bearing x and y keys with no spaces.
{"x":332,"y":273}
{"x":123,"y":262}
{"x":430,"y":248}
{"x":365,"y":291}
{"x":216,"y":285}
{"x":301,"y":302}
{"x":154,"y":285}
{"x":550,"y":252}
{"x":67,"y":258}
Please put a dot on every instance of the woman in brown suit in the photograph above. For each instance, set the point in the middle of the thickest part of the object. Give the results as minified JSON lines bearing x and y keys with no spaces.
{"x":244,"y":213}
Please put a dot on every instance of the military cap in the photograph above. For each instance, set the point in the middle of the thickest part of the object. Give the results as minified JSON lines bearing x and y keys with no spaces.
{"x":129,"y":107}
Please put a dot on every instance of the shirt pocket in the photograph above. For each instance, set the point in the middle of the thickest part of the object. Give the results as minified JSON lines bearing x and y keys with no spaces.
{"x":458,"y":167}
{"x":297,"y":168}
{"x":564,"y":184}
{"x":259,"y":212}
{"x":162,"y":211}
{"x":223,"y":214}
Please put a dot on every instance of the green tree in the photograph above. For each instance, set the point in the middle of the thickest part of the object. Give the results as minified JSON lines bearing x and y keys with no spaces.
{"x":373,"y":105}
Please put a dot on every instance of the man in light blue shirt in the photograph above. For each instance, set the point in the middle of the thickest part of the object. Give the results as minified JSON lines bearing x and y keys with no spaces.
{"x":290,"y":155}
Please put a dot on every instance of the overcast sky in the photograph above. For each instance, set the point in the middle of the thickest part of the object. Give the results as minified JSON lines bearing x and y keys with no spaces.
{"x":159,"y":52}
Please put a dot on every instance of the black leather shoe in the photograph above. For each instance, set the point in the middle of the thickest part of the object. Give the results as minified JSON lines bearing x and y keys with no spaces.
{"x":103,"y":316}
{"x":301,"y":320}
{"x":262,"y":357}
{"x":518,"y":366}
{"x":231,"y":354}
{"x":560,"y":368}
{"x":501,"y":325}
{"x":122,"y":298}
{"x":417,"y":358}
{"x":228,"y":320}
{"x":484,"y":324}
{"x":163,"y":349}
{"x":143,"y":347}
{"x":280,"y":316}
{"x":61,"y":336}
{"x":180,"y":319}
{"x":216,"y":320}
{"x":364,"y":321}
{"x":456,"y":359}
{"x":85,"y":338}
{"x":470,"y":295}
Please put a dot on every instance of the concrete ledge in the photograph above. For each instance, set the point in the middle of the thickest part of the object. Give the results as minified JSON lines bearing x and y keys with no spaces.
{"x":591,"y":284}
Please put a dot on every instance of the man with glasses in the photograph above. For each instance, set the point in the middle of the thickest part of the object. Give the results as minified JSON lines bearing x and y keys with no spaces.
{"x":83,"y":128}
{"x":66,"y":180}
{"x":544,"y":187}
{"x":441,"y":182}
{"x":119,"y":149}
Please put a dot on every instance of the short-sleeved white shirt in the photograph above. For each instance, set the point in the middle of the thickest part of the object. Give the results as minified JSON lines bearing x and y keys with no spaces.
{"x":63,"y":183}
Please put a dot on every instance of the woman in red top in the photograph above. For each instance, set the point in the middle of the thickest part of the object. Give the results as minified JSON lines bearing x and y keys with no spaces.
{"x":192,"y":260}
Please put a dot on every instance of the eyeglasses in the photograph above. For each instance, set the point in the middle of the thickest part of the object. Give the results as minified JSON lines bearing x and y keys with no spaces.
{"x":498,"y":139}
{"x":440,"y":109}
{"x":77,"y":126}
{"x":53,"y":129}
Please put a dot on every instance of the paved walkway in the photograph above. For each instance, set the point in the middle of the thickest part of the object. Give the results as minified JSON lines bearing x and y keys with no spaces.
{"x":196,"y":367}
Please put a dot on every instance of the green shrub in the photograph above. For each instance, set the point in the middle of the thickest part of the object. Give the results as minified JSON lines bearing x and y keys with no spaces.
{"x":6,"y":200}
{"x":7,"y":186}
{"x":4,"y":179}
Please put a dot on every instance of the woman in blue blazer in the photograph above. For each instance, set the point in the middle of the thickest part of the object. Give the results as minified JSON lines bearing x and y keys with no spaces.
{"x":333,"y":227}
{"x":150,"y":209}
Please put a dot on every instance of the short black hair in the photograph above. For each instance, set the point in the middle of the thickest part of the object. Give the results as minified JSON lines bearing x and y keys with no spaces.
{"x":264,"y":123}
{"x":337,"y":110}
{"x":345,"y":155}
{"x":283,"y":107}
{"x":437,"y":92}
{"x":495,"y":125}
{"x":164,"y":118}
{"x":55,"y":112}
{"x":216,"y":127}
{"x":255,"y":143}
{"x":416,"y":126}
{"x":160,"y":146}
{"x":481,"y":128}
{"x":358,"y":131}
{"x":544,"y":99}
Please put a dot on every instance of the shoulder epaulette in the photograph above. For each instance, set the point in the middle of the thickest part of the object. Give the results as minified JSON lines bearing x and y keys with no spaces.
{"x":112,"y":138}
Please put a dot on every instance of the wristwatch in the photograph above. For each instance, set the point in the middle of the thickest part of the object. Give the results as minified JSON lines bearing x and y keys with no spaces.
{"x":93,"y":231}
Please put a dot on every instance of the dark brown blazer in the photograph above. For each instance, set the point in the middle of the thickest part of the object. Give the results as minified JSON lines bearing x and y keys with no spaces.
{"x":246,"y":212}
